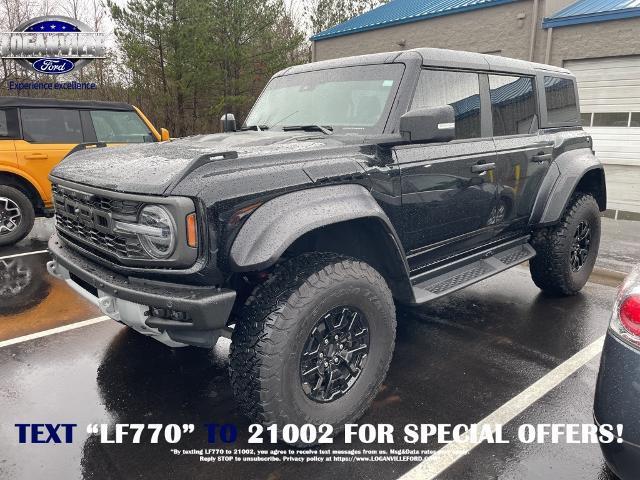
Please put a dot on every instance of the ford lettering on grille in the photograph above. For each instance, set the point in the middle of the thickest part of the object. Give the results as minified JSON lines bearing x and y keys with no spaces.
{"x":88,"y":216}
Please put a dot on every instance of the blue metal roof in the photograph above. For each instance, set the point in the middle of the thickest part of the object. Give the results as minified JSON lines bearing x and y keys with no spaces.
{"x":397,"y":12}
{"x":590,"y":11}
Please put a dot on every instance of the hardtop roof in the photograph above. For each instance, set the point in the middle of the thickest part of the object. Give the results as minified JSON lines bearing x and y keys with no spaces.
{"x":434,"y":57}
{"x":55,"y":103}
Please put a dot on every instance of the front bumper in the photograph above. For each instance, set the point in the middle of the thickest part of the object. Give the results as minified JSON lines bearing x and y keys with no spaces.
{"x":192,"y":315}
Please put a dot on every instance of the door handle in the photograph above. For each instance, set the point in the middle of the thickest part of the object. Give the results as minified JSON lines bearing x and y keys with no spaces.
{"x":36,"y":156}
{"x":482,"y":167}
{"x":541,"y":157}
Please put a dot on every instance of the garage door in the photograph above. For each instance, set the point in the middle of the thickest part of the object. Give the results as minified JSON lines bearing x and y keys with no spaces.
{"x":610,"y":103}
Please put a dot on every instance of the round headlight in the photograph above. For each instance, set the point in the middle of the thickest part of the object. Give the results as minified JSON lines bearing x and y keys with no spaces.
{"x":159,"y":240}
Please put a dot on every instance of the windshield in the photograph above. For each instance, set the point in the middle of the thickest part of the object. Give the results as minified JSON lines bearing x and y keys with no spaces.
{"x":347,"y":100}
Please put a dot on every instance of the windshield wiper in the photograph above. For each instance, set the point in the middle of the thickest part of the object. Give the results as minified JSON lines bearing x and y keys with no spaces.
{"x":257,"y":128}
{"x":327,"y":129}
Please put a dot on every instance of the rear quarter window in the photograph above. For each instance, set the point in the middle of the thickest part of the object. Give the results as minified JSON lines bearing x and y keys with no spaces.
{"x":562,"y":105}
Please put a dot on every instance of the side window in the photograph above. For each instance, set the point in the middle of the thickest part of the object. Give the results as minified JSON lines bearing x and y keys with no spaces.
{"x":513,"y":105}
{"x":120,"y":127}
{"x":51,"y":125}
{"x":460,"y":90}
{"x":9,"y":123}
{"x":561,"y":100}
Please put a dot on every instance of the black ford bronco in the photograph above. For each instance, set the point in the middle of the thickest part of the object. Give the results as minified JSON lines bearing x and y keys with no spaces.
{"x":351,"y":185}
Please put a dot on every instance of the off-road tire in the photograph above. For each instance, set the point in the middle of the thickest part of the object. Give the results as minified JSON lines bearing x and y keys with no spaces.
{"x":26,"y":210}
{"x":278,"y":318}
{"x":551,"y":267}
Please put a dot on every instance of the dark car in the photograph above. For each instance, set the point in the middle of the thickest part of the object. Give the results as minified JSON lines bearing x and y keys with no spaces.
{"x":617,"y":399}
{"x":353,"y":184}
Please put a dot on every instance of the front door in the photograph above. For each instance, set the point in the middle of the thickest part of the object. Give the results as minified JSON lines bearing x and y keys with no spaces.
{"x":448,"y":197}
{"x":48,"y":134}
{"x":449,"y":190}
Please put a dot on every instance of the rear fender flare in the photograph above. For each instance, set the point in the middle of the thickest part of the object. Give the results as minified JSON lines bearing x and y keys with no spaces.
{"x":560,"y":182}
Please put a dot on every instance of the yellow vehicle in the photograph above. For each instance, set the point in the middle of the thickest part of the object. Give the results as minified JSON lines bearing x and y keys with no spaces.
{"x":35,"y":134}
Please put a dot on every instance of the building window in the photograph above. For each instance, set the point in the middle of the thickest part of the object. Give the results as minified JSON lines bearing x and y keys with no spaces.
{"x":461,"y":90}
{"x":635,"y":119}
{"x":51,"y":125}
{"x":585,"y":119}
{"x":513,"y":105}
{"x":613,"y":119}
{"x":561,"y":100}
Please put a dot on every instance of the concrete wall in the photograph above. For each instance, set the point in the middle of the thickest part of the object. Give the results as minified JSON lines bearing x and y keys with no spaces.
{"x":493,"y":29}
{"x":595,"y":40}
{"x":501,"y":30}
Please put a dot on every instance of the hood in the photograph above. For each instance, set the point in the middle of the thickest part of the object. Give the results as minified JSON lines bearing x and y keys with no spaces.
{"x":154,"y":168}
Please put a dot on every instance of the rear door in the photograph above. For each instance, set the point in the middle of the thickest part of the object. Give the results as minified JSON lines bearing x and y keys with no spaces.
{"x":9,"y":131}
{"x":48,"y":134}
{"x":523,"y":156}
{"x":448,"y":189}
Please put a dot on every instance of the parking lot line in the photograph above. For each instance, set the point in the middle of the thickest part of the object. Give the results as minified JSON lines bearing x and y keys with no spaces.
{"x":452,"y":452}
{"x":7,"y":257}
{"x":53,"y":331}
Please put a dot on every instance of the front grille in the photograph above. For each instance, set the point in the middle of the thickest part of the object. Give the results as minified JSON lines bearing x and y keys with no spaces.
{"x":100,"y":202}
{"x":86,"y":219}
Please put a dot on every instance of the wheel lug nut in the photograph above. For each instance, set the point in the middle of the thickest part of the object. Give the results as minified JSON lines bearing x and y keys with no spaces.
{"x":336,"y":359}
{"x":326,"y":364}
{"x":326,"y":340}
{"x":340,"y":346}
{"x":336,"y":337}
{"x":321,"y":355}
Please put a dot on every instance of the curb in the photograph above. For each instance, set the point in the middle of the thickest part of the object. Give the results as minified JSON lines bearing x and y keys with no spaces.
{"x":600,"y":275}
{"x":616,"y":214}
{"x":606,"y":276}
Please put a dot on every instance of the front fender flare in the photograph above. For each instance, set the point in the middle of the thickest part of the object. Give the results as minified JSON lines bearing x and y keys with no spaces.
{"x":275,"y":225}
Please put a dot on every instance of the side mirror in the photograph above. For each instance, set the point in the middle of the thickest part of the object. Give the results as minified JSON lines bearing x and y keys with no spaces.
{"x":430,"y":124}
{"x":164,"y":135}
{"x":228,"y":122}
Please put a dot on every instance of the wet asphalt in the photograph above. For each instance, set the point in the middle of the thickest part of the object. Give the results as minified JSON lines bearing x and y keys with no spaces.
{"x":456,"y":361}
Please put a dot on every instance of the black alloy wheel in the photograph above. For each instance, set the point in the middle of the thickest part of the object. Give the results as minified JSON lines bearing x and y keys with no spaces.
{"x":334,"y":354}
{"x":580,"y":247}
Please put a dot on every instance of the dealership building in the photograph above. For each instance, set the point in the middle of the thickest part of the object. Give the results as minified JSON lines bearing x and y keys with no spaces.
{"x":598,"y":40}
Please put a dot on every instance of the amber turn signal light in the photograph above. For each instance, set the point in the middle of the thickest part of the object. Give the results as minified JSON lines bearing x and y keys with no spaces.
{"x":192,"y":230}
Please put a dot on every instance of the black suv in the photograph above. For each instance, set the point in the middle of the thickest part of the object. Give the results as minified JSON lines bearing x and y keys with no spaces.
{"x":353,"y":183}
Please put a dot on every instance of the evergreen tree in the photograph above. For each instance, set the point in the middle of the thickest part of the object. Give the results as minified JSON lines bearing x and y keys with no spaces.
{"x":324,"y":14}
